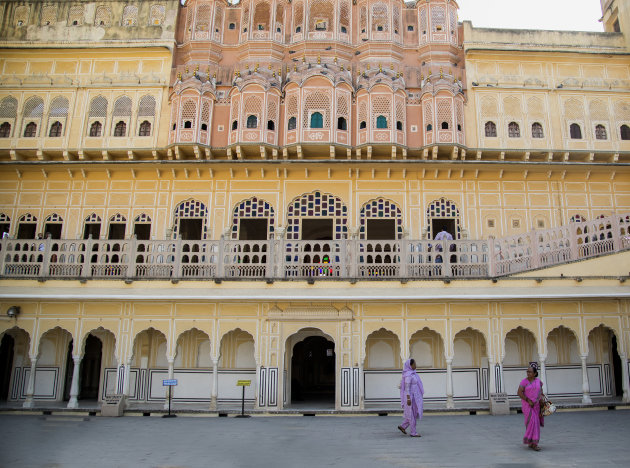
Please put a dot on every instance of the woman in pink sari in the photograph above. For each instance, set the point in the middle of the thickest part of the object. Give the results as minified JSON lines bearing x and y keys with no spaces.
{"x":411,"y":392}
{"x":530,"y":390}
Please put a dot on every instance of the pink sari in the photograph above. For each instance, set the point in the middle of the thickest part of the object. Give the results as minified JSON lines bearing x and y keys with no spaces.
{"x":533,"y":419}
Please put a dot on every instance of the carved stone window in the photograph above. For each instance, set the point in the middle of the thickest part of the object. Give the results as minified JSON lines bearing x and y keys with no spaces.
{"x":22,"y":14}
{"x":514,"y":130}
{"x":55,"y":130}
{"x":601,"y":133}
{"x":103,"y":16}
{"x":130,"y":15}
{"x":158,"y":13}
{"x":537,"y":130}
{"x":49,"y":15}
{"x":575,"y":131}
{"x":491,"y":129}
{"x":96,"y":129}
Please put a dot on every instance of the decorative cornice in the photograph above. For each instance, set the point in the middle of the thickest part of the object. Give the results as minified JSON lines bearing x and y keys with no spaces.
{"x":308,"y":313}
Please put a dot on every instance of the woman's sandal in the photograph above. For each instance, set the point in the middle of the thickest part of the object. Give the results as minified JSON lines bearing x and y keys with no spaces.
{"x":416,"y":435}
{"x":402,"y":429}
{"x":536,"y":448}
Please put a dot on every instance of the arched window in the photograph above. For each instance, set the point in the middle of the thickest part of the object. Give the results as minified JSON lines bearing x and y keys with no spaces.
{"x":30,"y":130}
{"x":271,"y":125}
{"x":145,"y":128}
{"x":55,"y":129}
{"x":491,"y":129}
{"x":429,"y":128}
{"x":188,"y":124}
{"x":625,"y":132}
{"x":514,"y":131}
{"x":292,"y":123}
{"x":537,"y":130}
{"x":120,"y":130}
{"x":399,"y":125}
{"x":5,"y":130}
{"x":252,"y":121}
{"x":575,"y":131}
{"x":601,"y":133}
{"x":96,"y":129}
{"x":362,"y":125}
{"x":317,"y":120}
{"x":381,"y":121}
{"x":444,"y":125}
{"x":235,"y":125}
{"x":342,"y":123}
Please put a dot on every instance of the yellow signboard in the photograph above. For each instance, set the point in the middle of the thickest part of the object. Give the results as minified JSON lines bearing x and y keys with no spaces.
{"x":243,"y":383}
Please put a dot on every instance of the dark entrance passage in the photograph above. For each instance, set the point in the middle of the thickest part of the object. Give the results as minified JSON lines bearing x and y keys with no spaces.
{"x":53,"y":230}
{"x":617,"y":373}
{"x":447,"y":225}
{"x":6,"y":363}
{"x":317,"y":229}
{"x":313,"y":371}
{"x":69,"y":369}
{"x":91,"y":369}
{"x":190,"y":228}
{"x":381,"y":229}
{"x":252,"y":229}
{"x":26,"y":230}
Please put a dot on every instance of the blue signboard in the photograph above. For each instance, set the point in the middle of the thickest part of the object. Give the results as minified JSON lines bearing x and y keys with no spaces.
{"x":169,"y":382}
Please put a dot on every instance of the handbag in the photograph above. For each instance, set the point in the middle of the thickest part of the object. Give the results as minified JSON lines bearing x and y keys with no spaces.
{"x":547,"y":408}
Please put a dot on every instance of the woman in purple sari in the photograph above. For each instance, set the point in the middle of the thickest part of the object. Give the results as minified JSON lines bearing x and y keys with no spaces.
{"x":530,"y":390}
{"x":411,"y":392}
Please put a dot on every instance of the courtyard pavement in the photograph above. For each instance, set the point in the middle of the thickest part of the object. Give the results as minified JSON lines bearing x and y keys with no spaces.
{"x":569,"y":439}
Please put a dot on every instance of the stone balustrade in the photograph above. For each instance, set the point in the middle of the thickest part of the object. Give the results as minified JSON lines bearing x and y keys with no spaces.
{"x":279,"y":259}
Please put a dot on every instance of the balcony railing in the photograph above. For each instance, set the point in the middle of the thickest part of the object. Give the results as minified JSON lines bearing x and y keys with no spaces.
{"x":279,"y":259}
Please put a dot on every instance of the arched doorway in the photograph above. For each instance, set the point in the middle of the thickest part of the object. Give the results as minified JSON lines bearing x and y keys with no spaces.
{"x":313,"y":371}
{"x":603,"y":352}
{"x":90,"y":376}
{"x":6,"y":365}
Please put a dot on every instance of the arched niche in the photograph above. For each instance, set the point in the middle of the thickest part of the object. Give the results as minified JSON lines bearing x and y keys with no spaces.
{"x":427,"y":348}
{"x":469,"y":347}
{"x":382,"y":350}
{"x":149,"y":350}
{"x":193,"y":350}
{"x":237,"y":350}
{"x":520,"y":348}
{"x":562,"y":347}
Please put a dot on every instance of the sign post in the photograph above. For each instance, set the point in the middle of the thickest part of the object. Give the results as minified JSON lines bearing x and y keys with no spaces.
{"x":243,"y":383}
{"x":170,"y":383}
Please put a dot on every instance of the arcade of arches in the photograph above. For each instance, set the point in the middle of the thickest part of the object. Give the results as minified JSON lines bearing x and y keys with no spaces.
{"x":309,"y":355}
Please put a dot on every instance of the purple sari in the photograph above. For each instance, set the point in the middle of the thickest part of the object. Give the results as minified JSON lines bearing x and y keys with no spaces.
{"x":411,"y":385}
{"x":533,"y":418}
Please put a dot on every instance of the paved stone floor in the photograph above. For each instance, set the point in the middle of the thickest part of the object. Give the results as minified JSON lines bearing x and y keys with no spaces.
{"x":570,"y":439}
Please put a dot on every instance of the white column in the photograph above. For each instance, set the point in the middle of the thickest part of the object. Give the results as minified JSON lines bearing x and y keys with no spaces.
{"x":542,"y":372}
{"x":586,"y":398}
{"x":361,"y":387}
{"x":624,"y":376}
{"x":501,"y":379}
{"x":257,"y":381}
{"x":171,"y":373}
{"x":74,"y":388}
{"x":492,"y":385}
{"x":449,"y":383}
{"x":126,"y":383}
{"x":215,"y":383}
{"x":30,"y":388}
{"x":280,"y":384}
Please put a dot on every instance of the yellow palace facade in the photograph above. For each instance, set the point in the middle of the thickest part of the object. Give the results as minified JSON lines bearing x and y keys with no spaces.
{"x":305,"y":194}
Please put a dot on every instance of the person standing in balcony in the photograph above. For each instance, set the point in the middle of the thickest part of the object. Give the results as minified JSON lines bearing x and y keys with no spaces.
{"x":530,"y":391}
{"x":411,"y":392}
